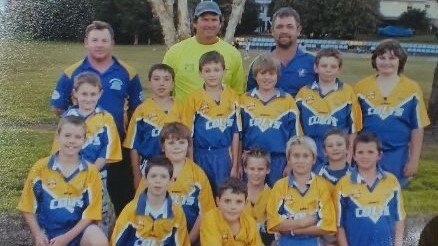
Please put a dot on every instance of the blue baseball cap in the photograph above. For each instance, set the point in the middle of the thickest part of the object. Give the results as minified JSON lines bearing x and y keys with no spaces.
{"x":207,"y":6}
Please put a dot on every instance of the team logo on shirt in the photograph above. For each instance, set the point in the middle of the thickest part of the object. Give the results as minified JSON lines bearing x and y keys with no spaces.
{"x":204,"y":108}
{"x":372,"y":212}
{"x":371,"y":95}
{"x":301,"y":72}
{"x":221,"y":124}
{"x":323,"y":120}
{"x":309,"y":99}
{"x":385,"y":111}
{"x":68,"y":203}
{"x":264,"y":123}
{"x":51,"y":183}
{"x":140,"y":225}
{"x":116,"y":84}
{"x":55,"y":95}
{"x":189,"y":67}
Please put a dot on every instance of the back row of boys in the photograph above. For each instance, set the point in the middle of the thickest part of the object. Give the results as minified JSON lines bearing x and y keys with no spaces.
{"x":269,"y":119}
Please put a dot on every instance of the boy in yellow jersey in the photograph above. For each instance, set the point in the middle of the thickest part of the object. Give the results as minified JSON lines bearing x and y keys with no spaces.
{"x":212,"y":112}
{"x":228,"y":224}
{"x":152,"y":218}
{"x":256,"y":165}
{"x":300,"y":207}
{"x":149,"y":118}
{"x":62,"y":196}
{"x":369,"y":200}
{"x":189,"y":186}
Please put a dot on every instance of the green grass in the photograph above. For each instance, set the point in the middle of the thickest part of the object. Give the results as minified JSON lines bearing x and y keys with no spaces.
{"x":29,"y":70}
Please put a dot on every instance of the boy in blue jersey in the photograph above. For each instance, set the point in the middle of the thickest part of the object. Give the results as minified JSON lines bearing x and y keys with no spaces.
{"x":212,"y":112}
{"x":368,"y":200}
{"x":328,"y":103}
{"x":152,"y":218}
{"x":149,"y":118}
{"x":269,"y":116}
{"x":300,"y":207}
{"x":62,"y":196}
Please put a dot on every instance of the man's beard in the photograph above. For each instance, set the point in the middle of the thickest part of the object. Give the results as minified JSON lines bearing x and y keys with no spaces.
{"x":284,"y":45}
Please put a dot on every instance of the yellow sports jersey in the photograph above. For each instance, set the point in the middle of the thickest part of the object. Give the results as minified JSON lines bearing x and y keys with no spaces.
{"x":368,"y":214}
{"x":191,"y":190}
{"x":60,"y":202}
{"x":102,"y":137}
{"x":392,"y":118}
{"x":257,"y":210}
{"x":215,"y":231}
{"x":287,"y":202}
{"x":136,"y":226}
{"x":337,"y":109}
{"x":145,"y":126}
{"x":184,"y":56}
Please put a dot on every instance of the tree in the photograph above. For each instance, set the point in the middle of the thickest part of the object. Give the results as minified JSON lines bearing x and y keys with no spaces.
{"x":414,"y":18}
{"x":433,"y":101}
{"x":249,"y":21}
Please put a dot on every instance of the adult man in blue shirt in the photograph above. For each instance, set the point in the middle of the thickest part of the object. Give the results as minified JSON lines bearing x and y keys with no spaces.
{"x":296,"y":65}
{"x":121,"y":90}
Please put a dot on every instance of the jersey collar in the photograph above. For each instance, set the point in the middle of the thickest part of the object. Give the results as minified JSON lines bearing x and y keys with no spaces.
{"x":279,"y":93}
{"x":74,"y":110}
{"x":315,"y":86}
{"x":358,"y":179}
{"x":293,"y":184}
{"x":142,"y":208}
{"x":87,"y":65}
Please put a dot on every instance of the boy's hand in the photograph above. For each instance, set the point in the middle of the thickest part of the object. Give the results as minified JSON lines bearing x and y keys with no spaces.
{"x":307,"y":221}
{"x":410,"y":169}
{"x":41,"y":239}
{"x":235,"y":172}
{"x":60,"y":240}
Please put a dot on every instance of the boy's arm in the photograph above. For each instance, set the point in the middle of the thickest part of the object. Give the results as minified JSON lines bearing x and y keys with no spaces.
{"x":235,"y":169}
{"x":100,"y":163}
{"x":415,"y":146}
{"x":351,"y":138}
{"x":399,"y":230}
{"x":67,"y":237}
{"x":291,"y":225}
{"x":342,"y":239}
{"x":182,"y":235}
{"x":135,"y":163}
{"x":113,"y":147}
{"x":194,"y":232}
{"x":209,"y":234}
{"x":39,"y":237}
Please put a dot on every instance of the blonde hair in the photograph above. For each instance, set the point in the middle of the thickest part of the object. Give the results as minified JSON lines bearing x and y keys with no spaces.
{"x":265,"y":63}
{"x":304,"y":141}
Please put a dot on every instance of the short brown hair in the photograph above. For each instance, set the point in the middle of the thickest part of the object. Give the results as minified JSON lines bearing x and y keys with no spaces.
{"x":338,"y":132}
{"x":99,"y":25}
{"x":211,"y":57}
{"x":394,"y":47}
{"x":264,"y":63}
{"x":175,"y":130}
{"x":158,"y":161}
{"x":286,"y":12}
{"x":236,"y":186}
{"x":71,"y":119}
{"x":328,"y":52}
{"x":367,"y":137}
{"x":259,"y":154}
{"x":161,"y":66}
{"x":90,"y":78}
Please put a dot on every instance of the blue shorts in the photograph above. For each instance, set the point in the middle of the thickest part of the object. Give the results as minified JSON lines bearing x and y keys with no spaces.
{"x":216,"y":164}
{"x":278,"y":163}
{"x":394,"y":161}
{"x":286,"y":240}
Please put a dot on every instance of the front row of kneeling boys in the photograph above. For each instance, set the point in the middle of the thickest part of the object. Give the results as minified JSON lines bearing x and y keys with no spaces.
{"x":361,"y":204}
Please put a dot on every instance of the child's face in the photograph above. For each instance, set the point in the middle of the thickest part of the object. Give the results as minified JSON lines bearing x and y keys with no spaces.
{"x":212,"y":74}
{"x":256,"y":170}
{"x":266,"y":80}
{"x":175,"y":149}
{"x":335,"y":148}
{"x":301,"y":160}
{"x":327,"y":69}
{"x":158,"y":179}
{"x":71,"y":138}
{"x":231,"y":205}
{"x":87,"y":96}
{"x":366,"y":155}
{"x":161,"y":83}
{"x":387,"y":63}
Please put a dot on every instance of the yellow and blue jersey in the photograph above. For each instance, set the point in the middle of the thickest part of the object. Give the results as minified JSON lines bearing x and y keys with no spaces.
{"x":333,"y":176}
{"x":268,"y":125}
{"x":191,"y":190}
{"x":287,"y":202}
{"x":368,"y":214}
{"x":318,"y":114}
{"x":60,"y":202}
{"x":120,"y":84}
{"x":257,"y":210}
{"x":145,"y":126}
{"x":136,"y":225}
{"x":215,"y":231}
{"x":297,"y":73}
{"x":392,"y":118}
{"x":184,"y":57}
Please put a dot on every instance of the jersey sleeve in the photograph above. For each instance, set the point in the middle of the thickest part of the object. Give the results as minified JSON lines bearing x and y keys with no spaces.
{"x":339,"y":203}
{"x":274,"y":202}
{"x":125,"y":218}
{"x":134,"y":133}
{"x":420,"y":116}
{"x":254,"y":233}
{"x":398,"y":206}
{"x":112,"y":152}
{"x":28,"y":202}
{"x":295,"y":126}
{"x":94,"y":189}
{"x":355,"y":114}
{"x":135,"y":93}
{"x":206,"y":195}
{"x":209,"y":233}
{"x":326,"y":213}
{"x":182,"y":235}
{"x":61,"y":95}
{"x":189,"y":111}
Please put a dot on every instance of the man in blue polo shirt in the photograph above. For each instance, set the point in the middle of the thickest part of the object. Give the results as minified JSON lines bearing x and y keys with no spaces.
{"x":296,"y":64}
{"x":121,"y":90}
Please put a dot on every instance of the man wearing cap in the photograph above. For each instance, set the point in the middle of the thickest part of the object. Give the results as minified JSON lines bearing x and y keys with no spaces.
{"x":296,"y":64}
{"x":184,"y":56}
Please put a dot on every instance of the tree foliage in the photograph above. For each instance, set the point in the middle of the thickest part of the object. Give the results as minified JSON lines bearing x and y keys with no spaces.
{"x":249,"y":21}
{"x":334,"y":18}
{"x":414,"y":18}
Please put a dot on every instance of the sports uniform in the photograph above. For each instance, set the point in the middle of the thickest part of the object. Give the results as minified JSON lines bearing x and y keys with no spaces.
{"x":60,"y":202}
{"x":333,"y":176}
{"x":191,"y":190}
{"x":145,"y":127}
{"x":269,"y":125}
{"x":318,"y":114}
{"x":287,"y":202}
{"x":213,"y":125}
{"x":392,"y":118}
{"x":184,"y":56}
{"x":215,"y":230}
{"x":368,"y":214}
{"x":140,"y":225}
{"x":294,"y":75}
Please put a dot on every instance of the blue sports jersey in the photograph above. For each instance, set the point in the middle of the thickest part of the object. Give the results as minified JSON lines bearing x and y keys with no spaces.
{"x":294,"y":75}
{"x":333,"y":176}
{"x":368,"y":214}
{"x":120,"y":83}
{"x":318,"y":114}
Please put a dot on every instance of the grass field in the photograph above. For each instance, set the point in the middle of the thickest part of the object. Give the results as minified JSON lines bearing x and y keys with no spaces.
{"x":28,"y":72}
